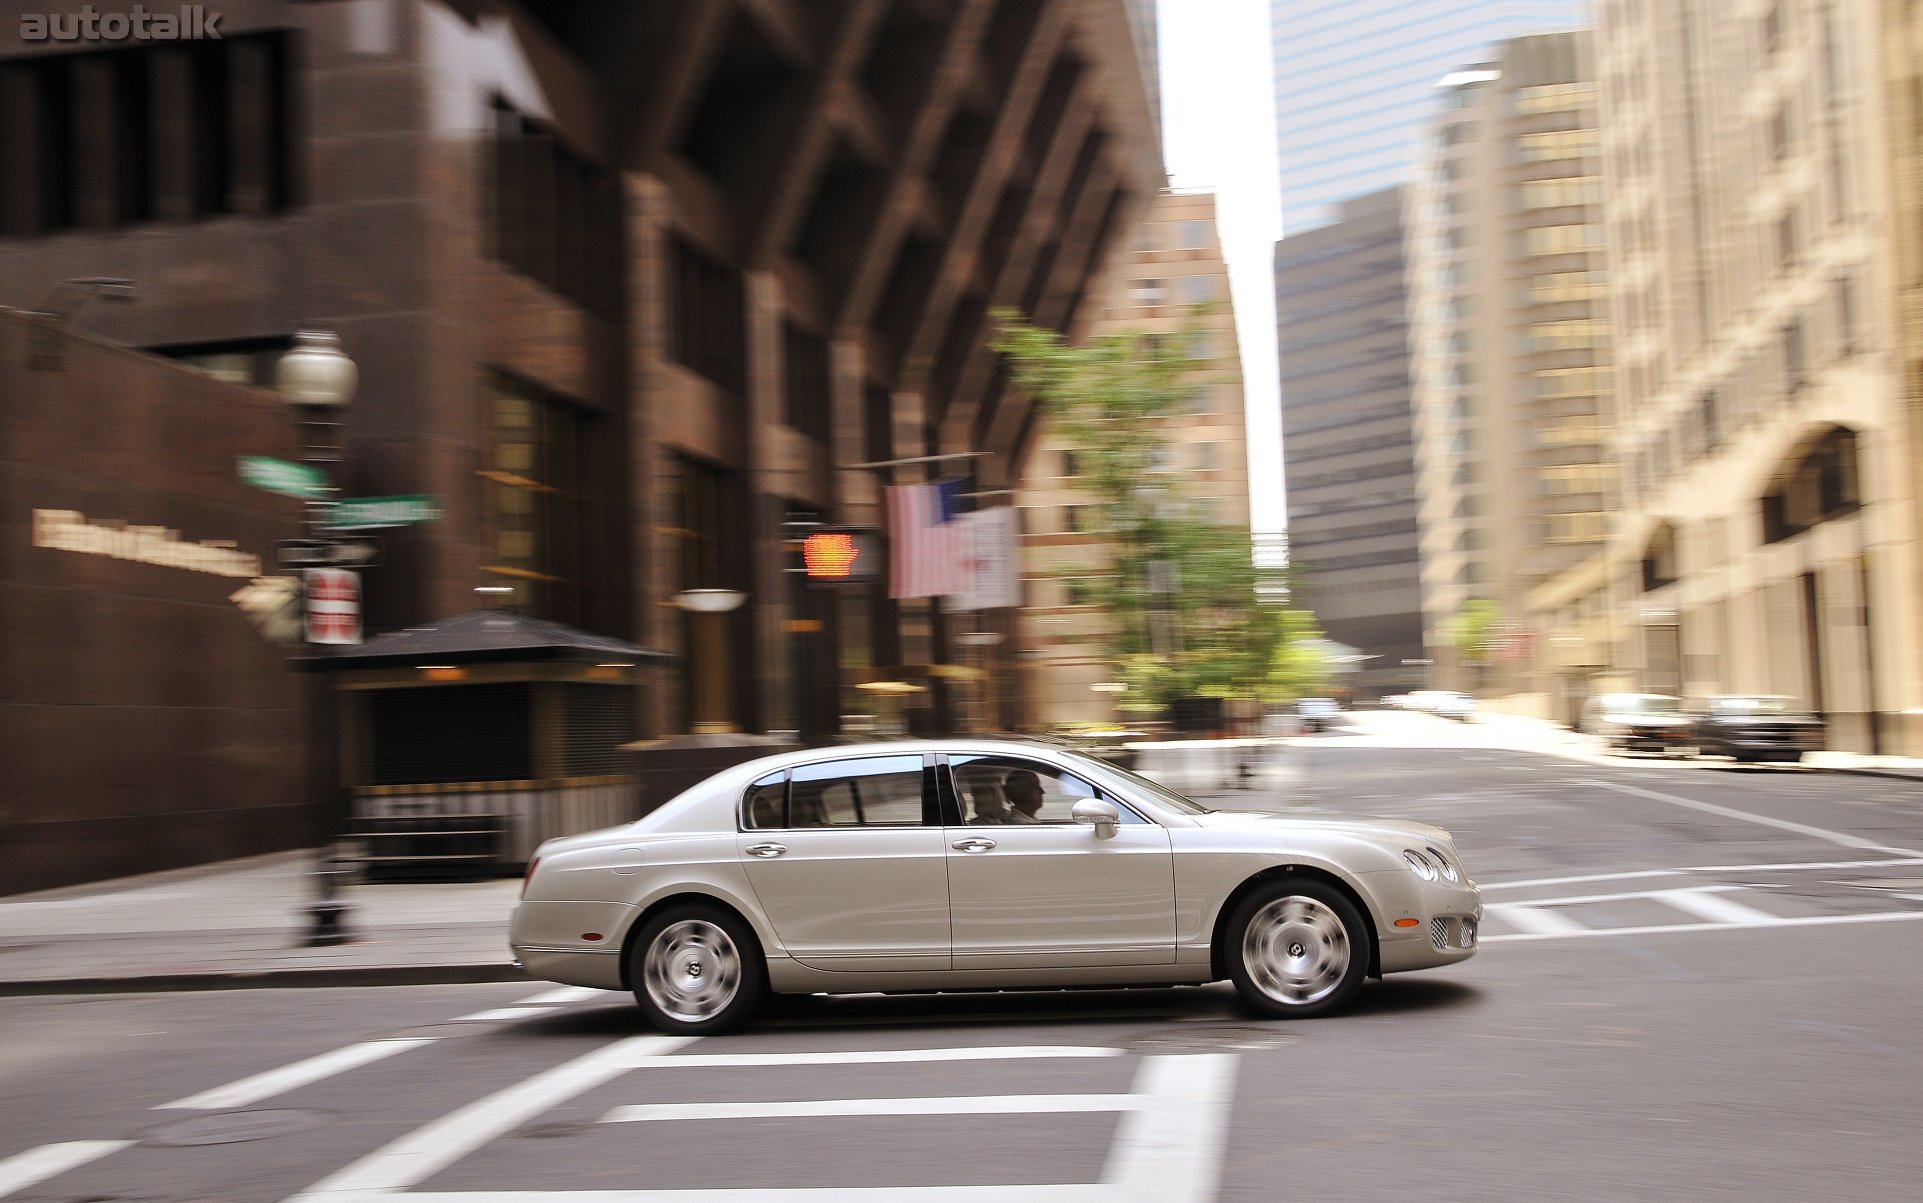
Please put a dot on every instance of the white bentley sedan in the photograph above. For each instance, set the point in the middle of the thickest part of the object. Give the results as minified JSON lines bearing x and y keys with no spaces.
{"x":976,"y":864}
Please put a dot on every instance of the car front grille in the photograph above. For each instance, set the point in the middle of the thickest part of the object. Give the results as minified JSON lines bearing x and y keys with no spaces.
{"x":1439,"y":932}
{"x":1447,"y":933}
{"x":1468,"y":933}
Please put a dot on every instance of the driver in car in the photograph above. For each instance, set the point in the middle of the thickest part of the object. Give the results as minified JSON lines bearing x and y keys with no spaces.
{"x":1025,"y":796}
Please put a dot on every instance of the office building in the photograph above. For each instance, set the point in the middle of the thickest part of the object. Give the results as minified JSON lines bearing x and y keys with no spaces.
{"x":1767,"y":539}
{"x":1347,"y":442}
{"x":632,"y":288}
{"x":1353,"y":81}
{"x":1510,"y":334}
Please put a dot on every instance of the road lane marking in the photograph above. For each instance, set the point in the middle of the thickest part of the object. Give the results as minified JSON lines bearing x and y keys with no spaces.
{"x":1631,"y":875}
{"x":1013,"y":1052}
{"x":777,"y":1194}
{"x":1167,"y":1148}
{"x":48,"y":1161}
{"x":1706,"y":902}
{"x":1530,"y":918}
{"x":1567,"y":881}
{"x":1834,"y":837}
{"x":1171,"y":1151}
{"x":1806,"y":864}
{"x":300,"y":1073}
{"x":969,"y":1104}
{"x":1586,"y":899}
{"x":429,"y":1149}
{"x":1805,"y":921}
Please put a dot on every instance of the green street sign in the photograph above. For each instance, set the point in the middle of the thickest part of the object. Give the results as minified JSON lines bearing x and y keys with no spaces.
{"x":370,"y":513}
{"x":280,"y":476}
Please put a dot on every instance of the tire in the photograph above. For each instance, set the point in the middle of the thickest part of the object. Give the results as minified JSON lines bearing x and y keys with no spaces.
{"x":1297,"y":949}
{"x":697,"y":970}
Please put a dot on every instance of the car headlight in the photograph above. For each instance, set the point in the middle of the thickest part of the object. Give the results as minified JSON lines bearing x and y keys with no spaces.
{"x":1442,"y":862}
{"x":1419,"y":865}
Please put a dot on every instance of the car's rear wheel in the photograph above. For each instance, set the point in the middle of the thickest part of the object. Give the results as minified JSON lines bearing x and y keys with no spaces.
{"x":1297,"y":949}
{"x":696,"y":970}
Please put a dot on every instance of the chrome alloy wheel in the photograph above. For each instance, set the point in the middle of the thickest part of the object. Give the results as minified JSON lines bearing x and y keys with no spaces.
{"x":692,"y":970}
{"x":1296,"y":950}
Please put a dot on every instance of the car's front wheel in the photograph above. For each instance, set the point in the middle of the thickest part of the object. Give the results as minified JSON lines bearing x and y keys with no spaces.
{"x":696,"y":970}
{"x":1297,"y":949}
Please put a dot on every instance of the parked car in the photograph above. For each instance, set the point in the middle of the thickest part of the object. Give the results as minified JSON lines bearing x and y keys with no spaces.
{"x":1447,"y":703}
{"x":1638,"y":722}
{"x":965,"y":864}
{"x":1317,"y":714}
{"x":1749,"y":727}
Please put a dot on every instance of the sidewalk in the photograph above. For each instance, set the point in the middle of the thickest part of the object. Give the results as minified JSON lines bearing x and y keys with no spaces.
{"x":240,"y":924}
{"x":1537,"y":735}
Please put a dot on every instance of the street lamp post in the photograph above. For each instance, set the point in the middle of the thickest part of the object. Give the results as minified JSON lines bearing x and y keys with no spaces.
{"x":318,"y":380}
{"x":711,"y":712}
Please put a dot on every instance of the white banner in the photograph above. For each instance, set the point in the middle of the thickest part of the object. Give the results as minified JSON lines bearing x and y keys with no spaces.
{"x":994,"y":577}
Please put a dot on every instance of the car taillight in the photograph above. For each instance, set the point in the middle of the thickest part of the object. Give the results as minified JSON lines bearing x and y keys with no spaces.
{"x":527,"y":879}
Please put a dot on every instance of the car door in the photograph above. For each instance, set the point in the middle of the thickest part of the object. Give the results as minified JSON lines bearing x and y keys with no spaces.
{"x":848,"y":862}
{"x":1043,"y":891}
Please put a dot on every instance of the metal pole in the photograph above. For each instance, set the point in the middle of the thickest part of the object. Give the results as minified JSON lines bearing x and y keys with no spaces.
{"x":327,"y":913}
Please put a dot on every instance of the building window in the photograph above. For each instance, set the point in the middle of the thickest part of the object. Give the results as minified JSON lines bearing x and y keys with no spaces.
{"x":1570,"y":335}
{"x":534,"y":496}
{"x":1563,"y":240}
{"x":1795,"y":369}
{"x":709,"y":318}
{"x":1147,"y":293}
{"x":1068,"y":464}
{"x":804,"y":362}
{"x":1072,"y":519}
{"x":556,"y":216}
{"x":1553,"y":194}
{"x":1786,"y":242}
{"x":1846,"y":313}
{"x":1708,"y":419}
{"x":1192,"y":235}
{"x":1197,"y":289}
{"x":111,"y":138}
{"x":1557,"y":144}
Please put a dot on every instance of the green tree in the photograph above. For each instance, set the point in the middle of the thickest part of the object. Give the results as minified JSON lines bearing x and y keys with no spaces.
{"x":1473,"y":632}
{"x":1182,"y":593}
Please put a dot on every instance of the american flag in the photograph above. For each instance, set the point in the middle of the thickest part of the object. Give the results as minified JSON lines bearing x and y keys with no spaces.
{"x":929,"y":544}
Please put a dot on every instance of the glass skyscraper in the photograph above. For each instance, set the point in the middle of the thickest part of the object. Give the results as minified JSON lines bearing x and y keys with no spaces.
{"x":1355,"y":80}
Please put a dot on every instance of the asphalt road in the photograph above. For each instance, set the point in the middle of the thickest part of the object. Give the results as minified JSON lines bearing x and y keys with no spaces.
{"x":1697,"y":983}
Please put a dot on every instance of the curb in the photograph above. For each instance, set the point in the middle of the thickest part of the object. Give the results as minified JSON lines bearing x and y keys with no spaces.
{"x":272,"y":979}
{"x":1888,"y":774}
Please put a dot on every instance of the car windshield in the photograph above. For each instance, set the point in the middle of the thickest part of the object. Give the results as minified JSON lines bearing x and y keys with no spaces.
{"x":1161,"y":794}
{"x":1758,"y":706}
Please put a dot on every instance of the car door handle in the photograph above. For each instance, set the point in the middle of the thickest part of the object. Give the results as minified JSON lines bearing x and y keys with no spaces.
{"x":766,"y":850}
{"x":974,"y":844}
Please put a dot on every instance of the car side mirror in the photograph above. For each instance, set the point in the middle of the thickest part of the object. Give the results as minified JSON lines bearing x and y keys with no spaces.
{"x":1100,"y":815}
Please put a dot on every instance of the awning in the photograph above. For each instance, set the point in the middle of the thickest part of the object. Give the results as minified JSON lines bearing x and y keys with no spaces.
{"x":483,"y":637}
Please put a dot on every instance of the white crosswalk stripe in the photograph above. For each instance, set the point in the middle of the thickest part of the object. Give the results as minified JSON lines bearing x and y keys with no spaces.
{"x":1166,"y":1149}
{"x":1697,"y":908}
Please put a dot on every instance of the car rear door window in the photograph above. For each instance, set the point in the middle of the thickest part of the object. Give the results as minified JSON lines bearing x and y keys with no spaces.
{"x":869,"y":791}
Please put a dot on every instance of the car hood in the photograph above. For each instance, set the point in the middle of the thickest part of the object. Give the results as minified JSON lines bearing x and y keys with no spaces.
{"x":1401,"y":832}
{"x":1646,"y":720}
